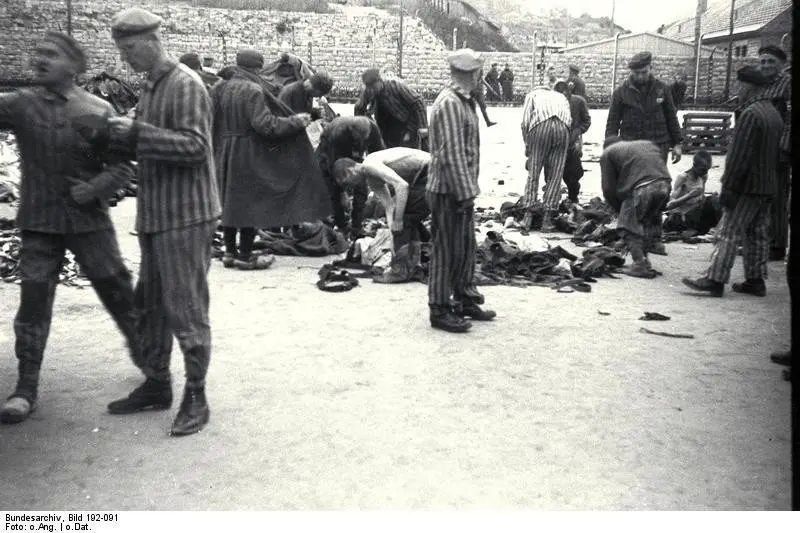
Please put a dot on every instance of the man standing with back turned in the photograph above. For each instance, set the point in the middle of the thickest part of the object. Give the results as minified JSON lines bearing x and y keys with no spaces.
{"x":177,"y":210}
{"x":452,"y":188}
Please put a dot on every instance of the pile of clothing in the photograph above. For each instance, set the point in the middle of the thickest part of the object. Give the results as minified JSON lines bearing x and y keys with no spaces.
{"x":9,"y":169}
{"x":10,"y":244}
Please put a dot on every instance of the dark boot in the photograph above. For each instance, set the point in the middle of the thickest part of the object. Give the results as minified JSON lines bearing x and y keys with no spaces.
{"x":777,"y":254}
{"x":152,"y":394}
{"x":705,"y":285}
{"x":446,"y":320}
{"x":640,"y":269}
{"x":473,"y":311}
{"x":756,"y":287}
{"x":782,"y":358}
{"x":193,"y":414}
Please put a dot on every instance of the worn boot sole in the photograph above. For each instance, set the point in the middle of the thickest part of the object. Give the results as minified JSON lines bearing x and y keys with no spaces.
{"x":743,"y":289}
{"x":197,"y":424}
{"x":716,"y":293}
{"x":8,"y":417}
{"x":452,"y":329}
{"x":131,"y":410}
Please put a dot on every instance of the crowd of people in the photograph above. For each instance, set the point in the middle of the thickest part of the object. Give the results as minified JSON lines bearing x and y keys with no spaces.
{"x":233,"y":149}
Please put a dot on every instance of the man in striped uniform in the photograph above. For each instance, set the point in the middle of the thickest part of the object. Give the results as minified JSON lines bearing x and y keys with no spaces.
{"x":748,"y":189}
{"x":546,"y":119}
{"x":451,"y":190}
{"x":177,"y":210}
{"x":779,"y":91}
{"x":68,"y":174}
{"x":398,"y":109}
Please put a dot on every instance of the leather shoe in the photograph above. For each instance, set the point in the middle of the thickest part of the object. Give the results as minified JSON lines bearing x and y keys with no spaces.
{"x":193,"y":414}
{"x":449,"y":321}
{"x":474,"y":312}
{"x":657,"y":248}
{"x":16,"y":409}
{"x":705,"y":285}
{"x":755,"y":287}
{"x":782,"y":358}
{"x":639,"y":270}
{"x":152,"y":394}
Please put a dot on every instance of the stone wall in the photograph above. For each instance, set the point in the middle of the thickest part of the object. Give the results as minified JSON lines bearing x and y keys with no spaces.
{"x":344,"y":45}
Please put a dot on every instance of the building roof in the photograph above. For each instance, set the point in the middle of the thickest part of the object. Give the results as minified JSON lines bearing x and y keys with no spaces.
{"x":717,"y":18}
{"x":626,"y":36}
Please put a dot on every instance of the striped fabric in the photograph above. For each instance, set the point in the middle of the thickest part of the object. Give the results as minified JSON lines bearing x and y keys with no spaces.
{"x":749,"y":219}
{"x":780,"y":93}
{"x":542,"y":104}
{"x":452,"y":264}
{"x":454,"y":145}
{"x":53,"y":147}
{"x":753,"y":153}
{"x":401,"y":102}
{"x":177,"y":183}
{"x":547,"y":144}
{"x":172,"y":296}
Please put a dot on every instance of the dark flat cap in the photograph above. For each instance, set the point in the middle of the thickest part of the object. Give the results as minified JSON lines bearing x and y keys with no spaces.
{"x":640,"y":60}
{"x":751,"y":75}
{"x":191,"y":60}
{"x":465,"y":60}
{"x":321,"y":81}
{"x":773,"y":50}
{"x":134,"y":21}
{"x":574,"y":68}
{"x":249,"y":58}
{"x":71,"y":48}
{"x":370,"y":76}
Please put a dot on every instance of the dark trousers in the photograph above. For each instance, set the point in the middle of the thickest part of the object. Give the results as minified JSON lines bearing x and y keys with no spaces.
{"x":247,"y":237}
{"x":640,"y":217}
{"x":97,"y":253}
{"x":452,"y":263}
{"x":338,"y":197}
{"x":573,"y":172}
{"x":172,"y":295}
{"x":779,"y":213}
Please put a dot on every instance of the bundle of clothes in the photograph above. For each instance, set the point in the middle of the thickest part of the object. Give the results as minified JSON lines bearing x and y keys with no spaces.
{"x":9,"y":169}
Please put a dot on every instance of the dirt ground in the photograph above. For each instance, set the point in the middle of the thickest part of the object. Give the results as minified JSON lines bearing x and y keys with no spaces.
{"x":351,"y":400}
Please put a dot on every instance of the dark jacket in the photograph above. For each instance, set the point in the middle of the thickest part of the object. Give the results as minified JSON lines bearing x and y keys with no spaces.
{"x":295,"y":96}
{"x":578,"y":86}
{"x":678,"y":91}
{"x":646,"y":113}
{"x":626,"y":164}
{"x":265,"y":163}
{"x":581,"y":119}
{"x":751,"y":165}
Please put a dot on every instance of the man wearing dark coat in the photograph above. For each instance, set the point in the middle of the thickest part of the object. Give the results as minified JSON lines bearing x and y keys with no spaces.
{"x":299,"y":95}
{"x":192,"y":60}
{"x":678,"y":90}
{"x":493,"y":81}
{"x":507,"y":83}
{"x":399,"y":111}
{"x":579,"y":87}
{"x":268,"y":174}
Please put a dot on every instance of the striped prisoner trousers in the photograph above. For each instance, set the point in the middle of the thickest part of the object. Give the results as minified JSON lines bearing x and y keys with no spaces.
{"x":779,"y":226}
{"x":547,"y":144}
{"x":172,"y":298}
{"x":453,"y":245}
{"x":749,"y":219}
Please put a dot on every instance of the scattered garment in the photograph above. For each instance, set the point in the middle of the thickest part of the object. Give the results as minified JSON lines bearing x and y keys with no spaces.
{"x":308,"y":239}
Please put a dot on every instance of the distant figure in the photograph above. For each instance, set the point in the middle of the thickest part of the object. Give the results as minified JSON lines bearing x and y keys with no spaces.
{"x":192,"y":60}
{"x":678,"y":90}
{"x":579,"y":87}
{"x":493,"y":81}
{"x":507,"y":83}
{"x":581,"y":121}
{"x":479,"y":95}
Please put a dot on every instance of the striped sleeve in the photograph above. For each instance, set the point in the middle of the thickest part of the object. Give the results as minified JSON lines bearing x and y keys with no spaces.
{"x":447,"y":130}
{"x":401,"y":98}
{"x":185,"y":143}
{"x":740,"y":151}
{"x":8,"y":108}
{"x":527,"y":115}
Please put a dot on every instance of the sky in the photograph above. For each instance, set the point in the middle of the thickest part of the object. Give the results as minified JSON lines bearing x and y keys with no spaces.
{"x":634,"y":15}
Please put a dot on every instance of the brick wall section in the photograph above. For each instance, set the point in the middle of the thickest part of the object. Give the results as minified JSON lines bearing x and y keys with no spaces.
{"x":344,"y":45}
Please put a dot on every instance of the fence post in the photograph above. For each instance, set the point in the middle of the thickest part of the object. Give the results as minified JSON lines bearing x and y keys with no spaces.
{"x":533,"y":60}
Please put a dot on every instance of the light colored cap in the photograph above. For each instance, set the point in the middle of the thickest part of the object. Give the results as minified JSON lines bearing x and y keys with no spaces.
{"x":134,"y":21}
{"x":465,"y":60}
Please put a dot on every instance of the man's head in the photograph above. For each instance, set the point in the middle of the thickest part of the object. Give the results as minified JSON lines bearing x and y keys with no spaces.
{"x":611,"y":140}
{"x":373,"y":83}
{"x":136,"y":34}
{"x":208,"y":62}
{"x":701,"y":162}
{"x":227,"y":73}
{"x":574,"y":69}
{"x":465,"y":68}
{"x":346,"y":173}
{"x":249,"y":59}
{"x":57,"y":59}
{"x":640,"y":67}
{"x":191,"y":60}
{"x":771,"y":59}
{"x":494,"y":66}
{"x":562,"y":87}
{"x":506,"y":67}
{"x":319,"y":84}
{"x":751,"y":79}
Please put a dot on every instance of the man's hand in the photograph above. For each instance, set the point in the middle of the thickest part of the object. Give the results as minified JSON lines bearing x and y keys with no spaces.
{"x":81,"y":191}
{"x":677,"y":152}
{"x":465,"y":205}
{"x":406,"y":137}
{"x":120,"y":127}
{"x":304,"y":118}
{"x":397,"y":225}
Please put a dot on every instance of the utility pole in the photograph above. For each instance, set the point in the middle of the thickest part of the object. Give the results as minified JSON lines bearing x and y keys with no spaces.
{"x":613,"y":12}
{"x":730,"y":53}
{"x":69,"y":17}
{"x":400,"y":45}
{"x":698,"y":22}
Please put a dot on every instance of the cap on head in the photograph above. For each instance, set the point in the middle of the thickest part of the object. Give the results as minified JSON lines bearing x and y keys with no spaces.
{"x":751,"y":75}
{"x":574,"y":68}
{"x":71,"y":48}
{"x":370,"y":76}
{"x":703,"y":158}
{"x":134,"y":21}
{"x":640,"y":60}
{"x":773,"y":50}
{"x":321,"y":81}
{"x":191,"y":60}
{"x":561,"y":86}
{"x":465,"y":60}
{"x":249,"y":58}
